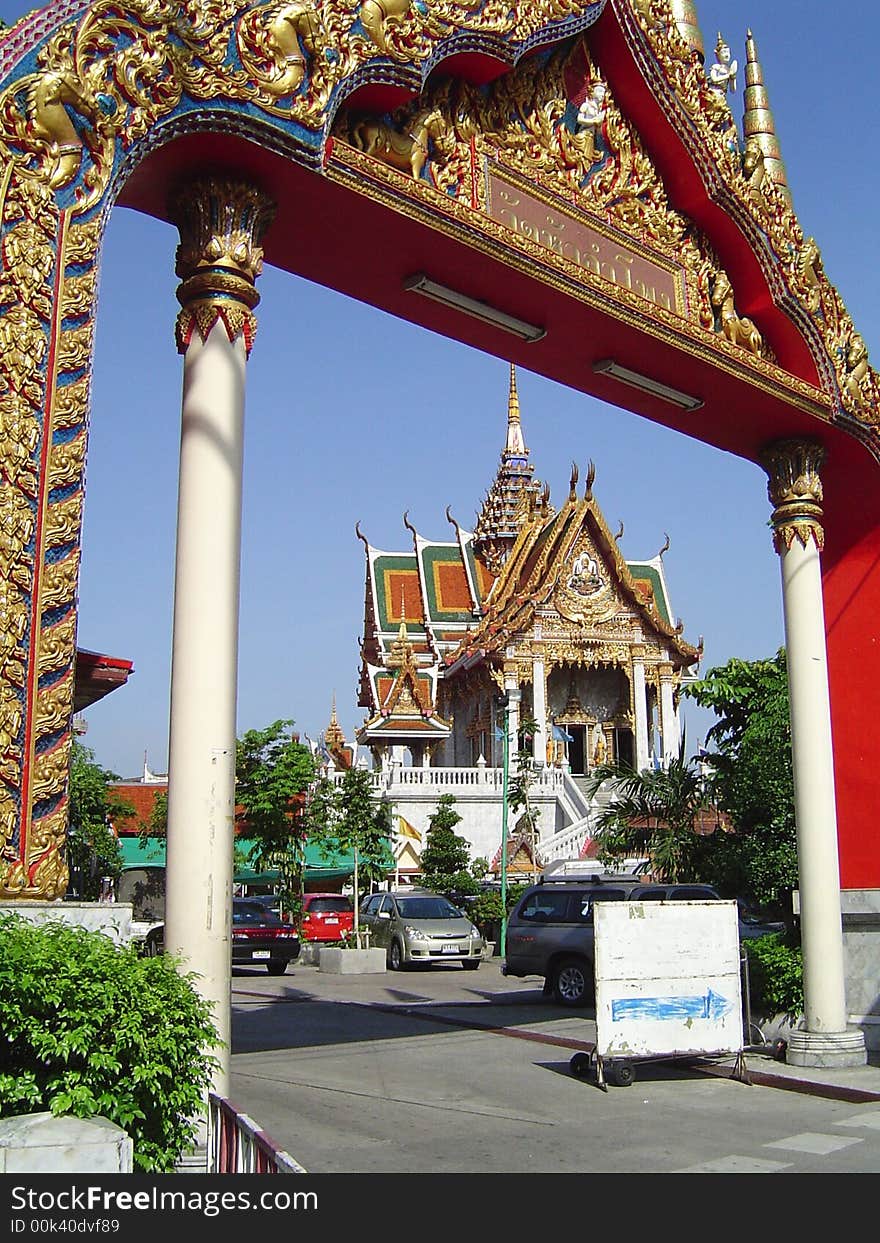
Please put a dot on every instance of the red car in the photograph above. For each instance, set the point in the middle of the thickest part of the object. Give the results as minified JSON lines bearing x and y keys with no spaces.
{"x":326,"y":917}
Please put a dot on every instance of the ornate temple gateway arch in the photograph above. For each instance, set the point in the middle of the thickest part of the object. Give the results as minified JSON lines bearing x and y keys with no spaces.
{"x":556,"y":182}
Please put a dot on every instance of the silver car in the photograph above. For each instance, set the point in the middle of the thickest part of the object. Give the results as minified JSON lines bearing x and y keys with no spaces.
{"x":421,"y":928}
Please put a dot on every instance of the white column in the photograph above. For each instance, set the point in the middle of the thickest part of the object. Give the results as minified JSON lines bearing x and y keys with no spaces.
{"x":668,"y":716}
{"x":795,"y":490}
{"x":214,"y":331}
{"x":640,"y":707}
{"x":539,"y":698}
{"x":514,"y":696}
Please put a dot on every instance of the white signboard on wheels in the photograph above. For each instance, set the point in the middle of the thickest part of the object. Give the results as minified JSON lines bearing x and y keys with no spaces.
{"x":667,"y":979}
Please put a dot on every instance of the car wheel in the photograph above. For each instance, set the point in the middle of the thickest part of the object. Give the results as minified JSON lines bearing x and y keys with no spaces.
{"x":395,"y":956}
{"x":276,"y":966}
{"x":572,"y":985}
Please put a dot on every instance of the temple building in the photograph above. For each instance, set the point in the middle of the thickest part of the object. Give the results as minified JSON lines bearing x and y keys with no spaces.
{"x":536,"y":604}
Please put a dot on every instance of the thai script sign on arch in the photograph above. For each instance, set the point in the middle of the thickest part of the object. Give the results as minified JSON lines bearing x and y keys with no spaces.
{"x":585,"y":246}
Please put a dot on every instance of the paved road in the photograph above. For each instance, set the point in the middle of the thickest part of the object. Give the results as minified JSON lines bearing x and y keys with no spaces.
{"x":461,"y":1072}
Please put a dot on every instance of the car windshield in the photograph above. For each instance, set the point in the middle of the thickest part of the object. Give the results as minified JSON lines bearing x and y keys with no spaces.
{"x":320,"y":906}
{"x":252,"y":913}
{"x":428,"y":908}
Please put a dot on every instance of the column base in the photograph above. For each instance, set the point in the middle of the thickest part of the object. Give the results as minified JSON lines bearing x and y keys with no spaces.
{"x":807,"y":1048}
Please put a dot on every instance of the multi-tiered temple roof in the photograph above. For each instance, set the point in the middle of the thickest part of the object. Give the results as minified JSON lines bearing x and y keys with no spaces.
{"x":441,"y":607}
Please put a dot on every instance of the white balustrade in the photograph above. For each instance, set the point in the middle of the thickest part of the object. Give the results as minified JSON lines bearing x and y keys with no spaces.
{"x":480,"y":785}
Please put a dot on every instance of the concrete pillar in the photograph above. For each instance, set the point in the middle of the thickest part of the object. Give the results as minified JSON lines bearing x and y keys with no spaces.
{"x":640,"y":707}
{"x":795,"y":491}
{"x":668,"y":715}
{"x":218,"y":260}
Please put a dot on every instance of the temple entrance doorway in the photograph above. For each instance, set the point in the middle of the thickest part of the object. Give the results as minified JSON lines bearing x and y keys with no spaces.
{"x":577,"y":750}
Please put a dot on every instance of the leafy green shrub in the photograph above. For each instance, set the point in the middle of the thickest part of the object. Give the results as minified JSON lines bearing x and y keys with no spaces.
{"x":776,"y":977}
{"x":91,"y":1029}
{"x":486,"y":910}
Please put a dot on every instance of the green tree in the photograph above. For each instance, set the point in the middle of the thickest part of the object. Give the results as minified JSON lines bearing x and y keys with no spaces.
{"x":273,"y":771}
{"x":522,"y":778}
{"x":445,"y":860}
{"x":654,"y":813}
{"x":156,"y":825}
{"x":92,"y":847}
{"x":348,"y":815}
{"x":753,"y":777}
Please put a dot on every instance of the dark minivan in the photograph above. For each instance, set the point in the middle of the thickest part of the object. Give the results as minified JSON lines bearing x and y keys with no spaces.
{"x":550,"y":931}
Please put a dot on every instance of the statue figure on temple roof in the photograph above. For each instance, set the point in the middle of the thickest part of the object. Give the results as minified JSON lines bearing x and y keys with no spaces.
{"x":722,"y":74}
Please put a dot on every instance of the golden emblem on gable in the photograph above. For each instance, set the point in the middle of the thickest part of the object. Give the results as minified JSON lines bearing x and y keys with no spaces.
{"x":585,"y":593}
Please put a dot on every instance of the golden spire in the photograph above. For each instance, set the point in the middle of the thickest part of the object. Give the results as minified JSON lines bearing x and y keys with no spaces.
{"x":758,"y":120}
{"x":333,"y":735}
{"x":401,"y":646}
{"x":685,"y":17}
{"x":515,"y":442}
{"x":501,"y":517}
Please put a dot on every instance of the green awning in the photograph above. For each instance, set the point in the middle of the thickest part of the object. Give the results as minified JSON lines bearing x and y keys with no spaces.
{"x":137,"y":854}
{"x":321,"y":863}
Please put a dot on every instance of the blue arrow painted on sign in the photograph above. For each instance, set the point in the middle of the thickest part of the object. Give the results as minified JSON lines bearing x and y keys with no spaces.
{"x":711,"y":1006}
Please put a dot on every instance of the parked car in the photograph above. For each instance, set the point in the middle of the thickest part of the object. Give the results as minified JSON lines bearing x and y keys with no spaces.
{"x":144,"y":888}
{"x":550,"y":931}
{"x":326,"y":917}
{"x":259,"y":937}
{"x":421,"y":928}
{"x":752,"y":925}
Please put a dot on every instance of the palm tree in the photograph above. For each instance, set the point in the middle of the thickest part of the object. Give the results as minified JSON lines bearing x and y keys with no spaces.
{"x":657,"y":812}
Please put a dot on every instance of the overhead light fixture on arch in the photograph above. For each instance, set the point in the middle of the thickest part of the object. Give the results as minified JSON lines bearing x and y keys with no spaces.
{"x":607,"y":366}
{"x":420,"y":283}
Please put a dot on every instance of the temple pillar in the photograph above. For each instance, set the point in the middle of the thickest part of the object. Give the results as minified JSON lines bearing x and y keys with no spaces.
{"x":668,"y":715}
{"x":218,"y":260}
{"x":514,"y":696}
{"x":795,"y":491}
{"x":539,"y":700}
{"x":640,"y":707}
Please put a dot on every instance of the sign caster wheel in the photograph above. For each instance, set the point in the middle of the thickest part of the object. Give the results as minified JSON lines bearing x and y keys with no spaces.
{"x":622,"y":1074}
{"x":581,"y":1065}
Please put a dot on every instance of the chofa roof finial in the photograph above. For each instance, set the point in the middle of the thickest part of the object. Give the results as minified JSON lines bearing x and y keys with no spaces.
{"x":591,"y":475}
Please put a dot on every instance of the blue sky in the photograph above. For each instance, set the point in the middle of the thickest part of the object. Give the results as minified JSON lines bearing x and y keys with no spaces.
{"x":355,"y":416}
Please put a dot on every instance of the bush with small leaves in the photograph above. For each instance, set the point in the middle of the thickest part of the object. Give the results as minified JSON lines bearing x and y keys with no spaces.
{"x":93,"y":1029}
{"x":776,"y":974}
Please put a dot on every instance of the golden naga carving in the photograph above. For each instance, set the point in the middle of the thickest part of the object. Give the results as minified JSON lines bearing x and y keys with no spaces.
{"x":50,"y":95}
{"x":755,"y":173}
{"x":378,"y":16}
{"x":856,"y":372}
{"x":738,"y":329}
{"x":808,"y":274}
{"x":277,"y":46}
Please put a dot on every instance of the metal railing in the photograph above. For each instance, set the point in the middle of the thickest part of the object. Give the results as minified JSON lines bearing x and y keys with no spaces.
{"x":236,"y":1145}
